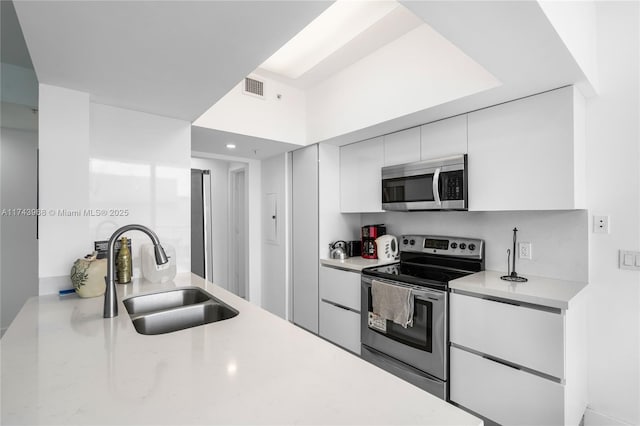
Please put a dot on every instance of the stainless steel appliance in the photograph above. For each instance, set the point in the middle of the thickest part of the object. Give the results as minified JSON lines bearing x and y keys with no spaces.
{"x":420,"y":353}
{"x":439,"y":184}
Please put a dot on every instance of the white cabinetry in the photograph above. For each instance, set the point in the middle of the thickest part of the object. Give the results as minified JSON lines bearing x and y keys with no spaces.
{"x":444,"y":138}
{"x":528,"y":154}
{"x":360,"y":179}
{"x":340,"y":307}
{"x":402,"y":147}
{"x":516,"y":363}
{"x":304,"y":251}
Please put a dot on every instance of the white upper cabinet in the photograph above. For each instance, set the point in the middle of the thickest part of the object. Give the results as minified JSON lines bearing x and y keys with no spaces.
{"x":402,"y":147}
{"x":528,"y":154}
{"x":360,"y":179}
{"x":444,"y":138}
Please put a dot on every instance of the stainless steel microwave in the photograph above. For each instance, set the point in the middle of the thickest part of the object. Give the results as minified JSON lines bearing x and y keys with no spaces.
{"x":439,"y":184}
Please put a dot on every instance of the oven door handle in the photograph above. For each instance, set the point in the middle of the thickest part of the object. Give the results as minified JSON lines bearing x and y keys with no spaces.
{"x":426,"y":294}
{"x":436,"y":186}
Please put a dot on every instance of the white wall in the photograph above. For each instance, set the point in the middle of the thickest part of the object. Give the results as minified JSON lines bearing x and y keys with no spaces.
{"x":575,"y":23}
{"x":19,"y":85}
{"x":141,"y":162}
{"x":558,"y":238}
{"x":100,"y":157}
{"x":220,"y":216}
{"x":280,"y":120}
{"x":613,"y":164}
{"x":274,"y":259}
{"x":64,"y":140}
{"x":19,"y":246}
{"x":391,"y":82}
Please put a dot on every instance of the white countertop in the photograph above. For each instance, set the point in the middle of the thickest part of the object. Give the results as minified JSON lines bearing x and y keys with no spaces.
{"x":356,"y":263}
{"x":62,"y":363}
{"x":538,"y":290}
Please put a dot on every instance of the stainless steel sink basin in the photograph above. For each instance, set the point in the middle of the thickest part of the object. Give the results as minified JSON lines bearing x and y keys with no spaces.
{"x":174,"y":310}
{"x":165,"y":300}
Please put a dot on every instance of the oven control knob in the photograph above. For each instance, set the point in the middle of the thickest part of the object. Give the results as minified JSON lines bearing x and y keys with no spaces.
{"x":405,"y":241}
{"x":454,"y":245}
{"x":463,"y":246}
{"x":412,"y":242}
{"x":472,"y":247}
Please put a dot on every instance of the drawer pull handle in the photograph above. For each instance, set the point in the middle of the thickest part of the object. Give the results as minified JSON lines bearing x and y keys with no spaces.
{"x":505,"y":363}
{"x":337,"y":305}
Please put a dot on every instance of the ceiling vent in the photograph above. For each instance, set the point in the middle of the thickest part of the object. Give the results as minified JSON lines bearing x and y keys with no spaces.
{"x":254,"y":87}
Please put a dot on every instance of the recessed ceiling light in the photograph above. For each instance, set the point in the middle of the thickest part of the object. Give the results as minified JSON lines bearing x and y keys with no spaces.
{"x":336,"y":26}
{"x":231,"y":146}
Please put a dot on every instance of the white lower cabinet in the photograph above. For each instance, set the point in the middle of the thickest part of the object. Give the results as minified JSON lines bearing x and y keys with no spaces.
{"x":516,"y":363}
{"x":504,"y":394}
{"x":340,"y":326}
{"x":340,"y":307}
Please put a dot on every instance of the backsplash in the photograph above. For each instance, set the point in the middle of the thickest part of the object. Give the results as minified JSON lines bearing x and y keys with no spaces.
{"x":559,"y":239}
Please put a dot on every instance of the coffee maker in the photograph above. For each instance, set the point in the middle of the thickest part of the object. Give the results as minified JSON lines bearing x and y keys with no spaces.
{"x":368,"y":234}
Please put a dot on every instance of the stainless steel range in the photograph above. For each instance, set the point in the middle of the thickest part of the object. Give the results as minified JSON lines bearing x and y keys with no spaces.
{"x":418,"y":353}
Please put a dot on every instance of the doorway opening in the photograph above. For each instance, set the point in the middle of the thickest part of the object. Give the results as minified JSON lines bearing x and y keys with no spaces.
{"x":219,"y":223}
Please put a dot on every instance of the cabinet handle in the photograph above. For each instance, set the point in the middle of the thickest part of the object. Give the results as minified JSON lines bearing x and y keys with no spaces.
{"x":499,"y":361}
{"x":337,"y":305}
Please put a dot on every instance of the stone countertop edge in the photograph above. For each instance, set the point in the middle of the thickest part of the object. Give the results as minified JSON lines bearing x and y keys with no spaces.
{"x":356,"y":264}
{"x":548,"y":292}
{"x":62,"y":363}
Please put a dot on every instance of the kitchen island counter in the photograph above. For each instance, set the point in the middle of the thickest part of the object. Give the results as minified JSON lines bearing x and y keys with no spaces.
{"x":62,"y":363}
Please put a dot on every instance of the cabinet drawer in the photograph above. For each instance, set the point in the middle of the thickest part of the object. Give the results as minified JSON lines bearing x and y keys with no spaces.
{"x":340,"y":326}
{"x":340,"y":287}
{"x":504,"y":394}
{"x":521,"y":335}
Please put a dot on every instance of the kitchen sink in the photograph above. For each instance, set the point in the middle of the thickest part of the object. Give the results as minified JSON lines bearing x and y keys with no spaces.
{"x":173,"y":310}
{"x":166,"y":300}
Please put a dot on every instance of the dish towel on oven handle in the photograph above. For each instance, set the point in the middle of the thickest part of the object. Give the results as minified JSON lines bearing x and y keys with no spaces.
{"x":392,"y":302}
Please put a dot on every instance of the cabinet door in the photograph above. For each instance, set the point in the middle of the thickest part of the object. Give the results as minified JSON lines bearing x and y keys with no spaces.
{"x":503,"y":394}
{"x":340,"y":326}
{"x":444,"y":138}
{"x":402,"y":147}
{"x":360,"y":178}
{"x":341,"y":287}
{"x":521,"y":335}
{"x":521,"y":154}
{"x":305,"y":237}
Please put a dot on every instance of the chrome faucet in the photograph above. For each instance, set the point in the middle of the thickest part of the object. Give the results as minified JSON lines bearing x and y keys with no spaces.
{"x":110,"y":303}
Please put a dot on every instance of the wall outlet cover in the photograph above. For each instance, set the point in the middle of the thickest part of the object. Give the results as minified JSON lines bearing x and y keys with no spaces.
{"x":601,"y":224}
{"x":524,"y":250}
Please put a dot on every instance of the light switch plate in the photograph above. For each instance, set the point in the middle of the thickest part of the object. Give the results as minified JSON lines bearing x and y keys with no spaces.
{"x":629,"y":260}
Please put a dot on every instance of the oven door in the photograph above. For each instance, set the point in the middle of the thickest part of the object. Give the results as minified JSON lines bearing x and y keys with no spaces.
{"x":422,"y":346}
{"x":426,"y":185}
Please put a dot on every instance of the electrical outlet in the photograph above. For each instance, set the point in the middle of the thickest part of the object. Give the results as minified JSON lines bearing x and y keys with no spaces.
{"x":524,"y":250}
{"x":601,"y":224}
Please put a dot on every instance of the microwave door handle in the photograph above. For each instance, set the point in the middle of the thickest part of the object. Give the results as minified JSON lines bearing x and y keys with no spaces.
{"x":436,"y":186}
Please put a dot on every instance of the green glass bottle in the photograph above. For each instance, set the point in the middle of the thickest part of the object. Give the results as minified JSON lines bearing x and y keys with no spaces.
{"x":124,"y":262}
